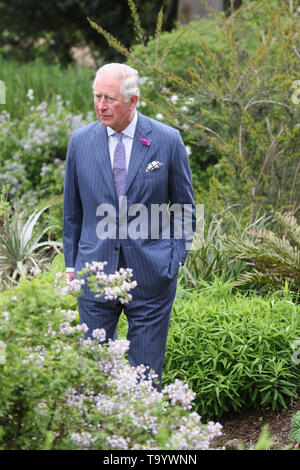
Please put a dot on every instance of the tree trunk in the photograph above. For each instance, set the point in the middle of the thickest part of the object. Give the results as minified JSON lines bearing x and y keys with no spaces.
{"x":189,"y":10}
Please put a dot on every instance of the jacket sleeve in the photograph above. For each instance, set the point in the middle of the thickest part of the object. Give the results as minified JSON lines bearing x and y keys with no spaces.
{"x":181,"y":196}
{"x":72,"y":209}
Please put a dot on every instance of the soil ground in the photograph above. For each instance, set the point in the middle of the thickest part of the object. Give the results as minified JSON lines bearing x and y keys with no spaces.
{"x":245,"y":428}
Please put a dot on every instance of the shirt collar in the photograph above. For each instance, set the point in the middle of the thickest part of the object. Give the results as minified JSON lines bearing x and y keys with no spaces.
{"x":128,"y":131}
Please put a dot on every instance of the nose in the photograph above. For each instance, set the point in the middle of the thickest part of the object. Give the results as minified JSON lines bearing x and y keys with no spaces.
{"x":102,"y":104}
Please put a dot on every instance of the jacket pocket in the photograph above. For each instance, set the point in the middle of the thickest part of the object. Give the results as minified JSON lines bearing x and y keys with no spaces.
{"x":84,"y":243}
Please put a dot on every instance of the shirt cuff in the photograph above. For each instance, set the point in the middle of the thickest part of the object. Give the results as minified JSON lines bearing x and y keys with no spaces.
{"x":70,"y":270}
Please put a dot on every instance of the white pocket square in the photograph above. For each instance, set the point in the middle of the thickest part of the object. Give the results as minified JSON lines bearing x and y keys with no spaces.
{"x":154,"y":166}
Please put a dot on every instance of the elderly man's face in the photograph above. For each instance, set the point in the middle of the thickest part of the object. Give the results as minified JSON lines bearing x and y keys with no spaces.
{"x":110,"y":106}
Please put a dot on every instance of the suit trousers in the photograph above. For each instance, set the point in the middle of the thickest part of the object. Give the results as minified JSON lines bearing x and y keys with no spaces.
{"x":148,"y":324}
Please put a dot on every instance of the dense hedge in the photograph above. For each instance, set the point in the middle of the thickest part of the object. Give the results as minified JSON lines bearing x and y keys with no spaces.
{"x":234,"y":350}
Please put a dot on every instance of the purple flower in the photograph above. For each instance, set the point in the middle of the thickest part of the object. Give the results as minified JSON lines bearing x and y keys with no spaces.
{"x":145,"y":142}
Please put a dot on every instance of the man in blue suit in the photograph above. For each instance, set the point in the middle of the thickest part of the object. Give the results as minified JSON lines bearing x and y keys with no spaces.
{"x":127,"y":158}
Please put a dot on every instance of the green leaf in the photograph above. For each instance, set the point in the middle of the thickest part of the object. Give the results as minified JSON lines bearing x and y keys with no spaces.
{"x":294,"y":434}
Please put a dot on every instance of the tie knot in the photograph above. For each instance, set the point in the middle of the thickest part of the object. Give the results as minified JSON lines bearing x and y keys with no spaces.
{"x":119,"y":135}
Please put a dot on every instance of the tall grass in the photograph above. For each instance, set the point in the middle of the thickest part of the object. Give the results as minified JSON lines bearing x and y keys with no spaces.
{"x":47,"y":81}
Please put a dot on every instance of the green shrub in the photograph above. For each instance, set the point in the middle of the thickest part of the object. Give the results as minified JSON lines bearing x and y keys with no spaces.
{"x":234,"y":350}
{"x":32,"y":155}
{"x":36,"y":144}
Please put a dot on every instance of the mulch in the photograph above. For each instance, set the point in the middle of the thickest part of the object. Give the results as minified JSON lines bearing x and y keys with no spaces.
{"x":243,"y":430}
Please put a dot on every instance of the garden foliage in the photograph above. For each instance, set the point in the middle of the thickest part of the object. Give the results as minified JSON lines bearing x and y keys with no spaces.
{"x":294,"y":434}
{"x":61,"y":391}
{"x":274,"y":257}
{"x":234,"y":349}
{"x":233,"y":100}
{"x":21,"y":250}
{"x":227,"y":84}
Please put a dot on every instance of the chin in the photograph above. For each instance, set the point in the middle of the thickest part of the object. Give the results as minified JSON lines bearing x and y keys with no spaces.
{"x":105,"y":121}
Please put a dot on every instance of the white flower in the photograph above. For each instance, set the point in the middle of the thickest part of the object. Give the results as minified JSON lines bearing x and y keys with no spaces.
{"x":188,"y":150}
{"x":174,"y":99}
{"x":118,"y":442}
{"x":180,"y":393}
{"x":100,"y":334}
{"x":190,"y":100}
{"x":143,"y":80}
{"x":71,"y":286}
{"x":118,"y":347}
{"x":83,"y":440}
{"x":30,"y":94}
{"x":35,"y":270}
{"x":66,"y":329}
{"x":159,"y":116}
{"x":5,"y":316}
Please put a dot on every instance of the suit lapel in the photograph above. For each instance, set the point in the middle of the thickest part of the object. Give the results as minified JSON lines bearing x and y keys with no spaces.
{"x":139,"y":150}
{"x":102,"y":152}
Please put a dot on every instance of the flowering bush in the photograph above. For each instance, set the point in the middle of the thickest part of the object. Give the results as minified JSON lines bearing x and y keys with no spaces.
{"x":32,"y":155}
{"x":60,"y":390}
{"x":112,"y":286}
{"x":32,"y":149}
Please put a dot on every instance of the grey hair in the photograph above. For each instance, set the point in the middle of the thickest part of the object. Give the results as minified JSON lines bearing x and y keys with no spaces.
{"x":130,"y":78}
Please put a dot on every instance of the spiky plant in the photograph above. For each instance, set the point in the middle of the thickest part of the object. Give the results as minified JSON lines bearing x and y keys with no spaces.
{"x":208,"y":259}
{"x":20,"y":249}
{"x":274,"y":258}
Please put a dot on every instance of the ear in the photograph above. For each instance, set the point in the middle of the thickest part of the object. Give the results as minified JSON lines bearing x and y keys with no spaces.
{"x":133,"y":101}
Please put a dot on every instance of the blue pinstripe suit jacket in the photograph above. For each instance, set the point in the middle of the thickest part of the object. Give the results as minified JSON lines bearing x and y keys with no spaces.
{"x":89,"y":184}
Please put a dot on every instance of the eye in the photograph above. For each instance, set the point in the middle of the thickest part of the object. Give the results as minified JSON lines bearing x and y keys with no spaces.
{"x":110,"y":99}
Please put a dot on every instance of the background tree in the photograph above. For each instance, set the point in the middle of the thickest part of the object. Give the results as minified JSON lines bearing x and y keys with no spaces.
{"x":190,"y":9}
{"x":31,"y":28}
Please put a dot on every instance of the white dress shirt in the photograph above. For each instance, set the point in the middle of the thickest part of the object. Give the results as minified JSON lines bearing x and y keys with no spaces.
{"x":127,"y":140}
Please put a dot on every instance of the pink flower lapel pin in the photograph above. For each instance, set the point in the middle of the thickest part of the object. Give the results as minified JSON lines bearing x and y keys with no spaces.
{"x":145,"y":142}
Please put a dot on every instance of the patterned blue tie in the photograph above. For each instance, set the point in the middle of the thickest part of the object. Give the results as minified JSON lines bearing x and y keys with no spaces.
{"x":119,"y":166}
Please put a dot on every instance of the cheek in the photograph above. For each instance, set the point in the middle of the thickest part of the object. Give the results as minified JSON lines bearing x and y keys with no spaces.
{"x":122,"y":112}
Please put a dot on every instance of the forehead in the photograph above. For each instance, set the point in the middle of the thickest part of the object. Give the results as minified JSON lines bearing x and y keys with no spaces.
{"x":108,"y":84}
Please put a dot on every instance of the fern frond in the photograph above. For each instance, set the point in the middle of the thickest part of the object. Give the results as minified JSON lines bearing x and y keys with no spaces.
{"x":273,"y":259}
{"x":289,"y":222}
